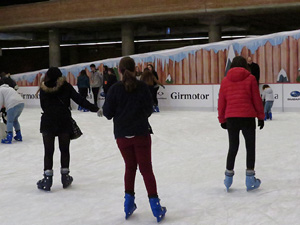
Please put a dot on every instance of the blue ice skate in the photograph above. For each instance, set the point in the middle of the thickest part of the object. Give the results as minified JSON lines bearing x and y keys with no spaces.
{"x":8,"y":138}
{"x":270,"y":116}
{"x":129,"y":205}
{"x":18,"y":136}
{"x":228,"y":179}
{"x":157,"y":210}
{"x":251,"y":181}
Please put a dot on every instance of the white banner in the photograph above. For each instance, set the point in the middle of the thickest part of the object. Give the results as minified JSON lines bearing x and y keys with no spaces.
{"x":186,"y":97}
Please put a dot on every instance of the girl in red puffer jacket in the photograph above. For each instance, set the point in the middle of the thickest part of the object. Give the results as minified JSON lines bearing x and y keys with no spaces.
{"x":238,"y":105}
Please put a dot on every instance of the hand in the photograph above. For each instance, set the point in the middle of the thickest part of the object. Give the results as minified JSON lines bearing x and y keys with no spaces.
{"x":261,"y":124}
{"x":224,"y":125}
{"x":100,"y":113}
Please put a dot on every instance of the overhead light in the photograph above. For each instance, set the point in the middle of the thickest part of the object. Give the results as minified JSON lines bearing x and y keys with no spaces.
{"x":119,"y":42}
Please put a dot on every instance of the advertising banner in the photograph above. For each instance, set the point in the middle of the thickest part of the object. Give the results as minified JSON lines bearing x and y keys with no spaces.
{"x":187,"y":97}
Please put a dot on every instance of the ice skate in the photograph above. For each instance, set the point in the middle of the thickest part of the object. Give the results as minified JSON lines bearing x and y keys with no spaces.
{"x":251,"y":181}
{"x":46,"y":183}
{"x":228,"y":179}
{"x":66,"y":179}
{"x":18,"y":136}
{"x":129,"y":205}
{"x":157,"y":210}
{"x":8,"y":138}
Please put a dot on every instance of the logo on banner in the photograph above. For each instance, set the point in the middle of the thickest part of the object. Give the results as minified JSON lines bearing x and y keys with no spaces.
{"x":161,"y":95}
{"x":198,"y":96}
{"x":295,"y":95}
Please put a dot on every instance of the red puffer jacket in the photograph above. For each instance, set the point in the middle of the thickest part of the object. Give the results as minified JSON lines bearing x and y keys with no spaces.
{"x":239,"y":96}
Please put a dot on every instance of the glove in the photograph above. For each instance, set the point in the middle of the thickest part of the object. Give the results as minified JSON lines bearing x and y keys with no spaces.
{"x":224,"y":125}
{"x":100,"y":113}
{"x":261,"y":124}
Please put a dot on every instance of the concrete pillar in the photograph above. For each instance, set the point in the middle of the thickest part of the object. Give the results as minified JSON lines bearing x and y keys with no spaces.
{"x":214,"y":33}
{"x":127,"y":39}
{"x":54,"y":48}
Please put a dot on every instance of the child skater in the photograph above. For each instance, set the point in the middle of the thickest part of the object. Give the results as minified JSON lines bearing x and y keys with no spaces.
{"x":268,"y":97}
{"x":129,"y":103}
{"x":14,"y":104}
{"x":238,"y":105}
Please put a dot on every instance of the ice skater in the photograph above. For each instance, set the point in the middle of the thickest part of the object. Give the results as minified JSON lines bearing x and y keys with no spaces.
{"x":268,"y":97}
{"x":238,"y":105}
{"x":14,"y":104}
{"x":129,"y":103}
{"x":55,"y":96}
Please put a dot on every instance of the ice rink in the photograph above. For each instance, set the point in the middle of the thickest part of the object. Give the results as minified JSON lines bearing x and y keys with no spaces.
{"x":189,"y":153}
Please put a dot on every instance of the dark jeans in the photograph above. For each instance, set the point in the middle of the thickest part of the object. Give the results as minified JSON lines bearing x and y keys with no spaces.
{"x":64,"y":144}
{"x":136,"y":151}
{"x":95,"y":91}
{"x":247,"y":126}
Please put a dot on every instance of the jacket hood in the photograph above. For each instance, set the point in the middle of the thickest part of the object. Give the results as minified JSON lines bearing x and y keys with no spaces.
{"x":59,"y":83}
{"x":237,"y":74}
{"x":5,"y":85}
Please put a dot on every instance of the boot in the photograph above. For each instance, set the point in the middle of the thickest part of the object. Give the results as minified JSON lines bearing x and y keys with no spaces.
{"x":158,"y":211}
{"x":79,"y":108}
{"x":18,"y":136}
{"x":270,"y":115}
{"x":8,"y":138}
{"x":85,"y":110}
{"x":46,"y":183}
{"x":266,"y":116}
{"x":228,"y":178}
{"x":129,"y":205}
{"x":252,"y":182}
{"x":66,"y":179}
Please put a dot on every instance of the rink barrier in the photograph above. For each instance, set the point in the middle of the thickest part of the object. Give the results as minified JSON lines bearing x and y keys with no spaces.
{"x":192,"y":97}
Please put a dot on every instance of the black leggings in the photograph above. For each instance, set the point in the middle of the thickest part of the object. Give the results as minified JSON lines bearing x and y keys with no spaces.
{"x":64,"y":144}
{"x":154,"y":95}
{"x":248,"y":132}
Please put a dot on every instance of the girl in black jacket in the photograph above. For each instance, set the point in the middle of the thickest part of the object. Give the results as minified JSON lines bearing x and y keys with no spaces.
{"x":55,"y":96}
{"x":129,"y":103}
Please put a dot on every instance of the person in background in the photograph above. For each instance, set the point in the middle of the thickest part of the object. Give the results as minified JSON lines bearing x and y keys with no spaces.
{"x":109,"y":80}
{"x":238,"y":105}
{"x":254,"y":69}
{"x":14,"y":104}
{"x":5,"y":77}
{"x":96,"y":81}
{"x":156,"y":87}
{"x":129,"y":104}
{"x":83,"y":84}
{"x":138,"y":73}
{"x":149,"y":78}
{"x":268,"y":97}
{"x":56,"y":121}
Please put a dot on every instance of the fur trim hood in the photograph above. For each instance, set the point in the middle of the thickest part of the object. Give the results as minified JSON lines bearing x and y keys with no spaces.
{"x":59,"y":83}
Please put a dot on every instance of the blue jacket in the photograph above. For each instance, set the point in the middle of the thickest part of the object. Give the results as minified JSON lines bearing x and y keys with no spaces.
{"x":130,"y":111}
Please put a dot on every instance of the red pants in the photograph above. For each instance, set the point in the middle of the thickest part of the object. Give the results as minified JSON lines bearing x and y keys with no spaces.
{"x":137,"y":151}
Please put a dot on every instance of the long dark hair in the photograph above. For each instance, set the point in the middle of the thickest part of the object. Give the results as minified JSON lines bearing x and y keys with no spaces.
{"x":127,"y":68}
{"x":82,"y":73}
{"x":239,"y":61}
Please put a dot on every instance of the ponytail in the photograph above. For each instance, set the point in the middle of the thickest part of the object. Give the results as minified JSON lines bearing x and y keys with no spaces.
{"x":129,"y":80}
{"x":127,"y":68}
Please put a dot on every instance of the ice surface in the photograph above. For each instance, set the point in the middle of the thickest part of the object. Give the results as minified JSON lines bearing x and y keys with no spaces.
{"x":189,"y":153}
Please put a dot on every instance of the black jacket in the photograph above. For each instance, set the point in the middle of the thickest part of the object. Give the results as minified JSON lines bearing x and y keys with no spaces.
{"x":55,"y":103}
{"x":254,"y":67}
{"x":130,"y":111}
{"x":109,"y":80}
